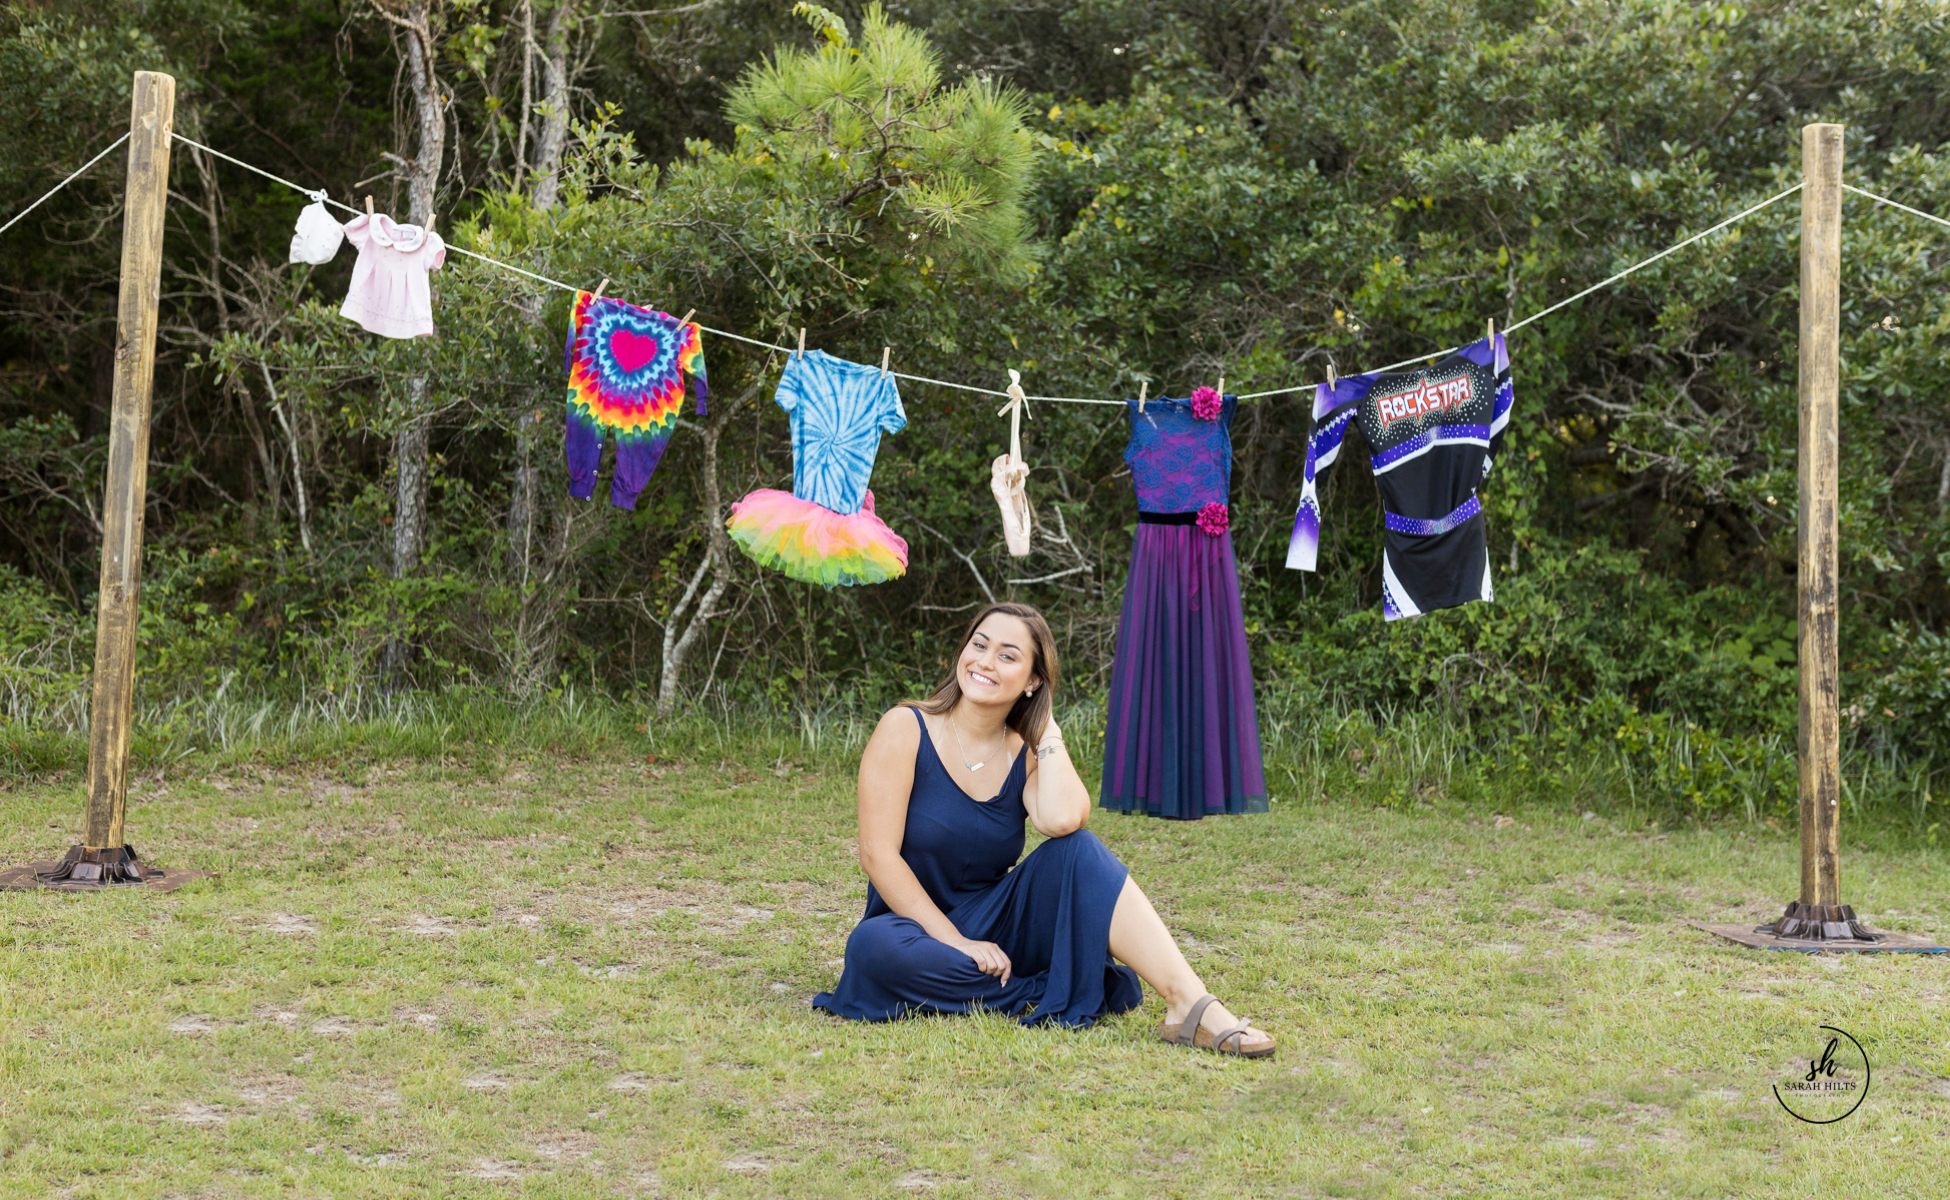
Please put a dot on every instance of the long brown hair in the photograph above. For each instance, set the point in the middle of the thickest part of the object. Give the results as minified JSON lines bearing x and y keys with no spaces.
{"x":1030,"y":714}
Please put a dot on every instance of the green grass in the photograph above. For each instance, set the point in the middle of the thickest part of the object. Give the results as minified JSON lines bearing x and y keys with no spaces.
{"x":439,"y":968}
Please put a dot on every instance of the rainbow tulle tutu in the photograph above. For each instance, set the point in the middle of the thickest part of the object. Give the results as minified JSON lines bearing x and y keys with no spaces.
{"x":811,"y":542}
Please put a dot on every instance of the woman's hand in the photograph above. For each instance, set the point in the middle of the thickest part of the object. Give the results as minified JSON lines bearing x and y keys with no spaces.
{"x":989,"y":958}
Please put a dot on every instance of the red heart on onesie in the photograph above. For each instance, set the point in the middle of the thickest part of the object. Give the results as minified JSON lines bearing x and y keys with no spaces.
{"x":632,"y":350}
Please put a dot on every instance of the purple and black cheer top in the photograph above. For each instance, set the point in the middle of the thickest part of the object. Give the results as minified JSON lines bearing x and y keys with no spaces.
{"x":1433,"y":435}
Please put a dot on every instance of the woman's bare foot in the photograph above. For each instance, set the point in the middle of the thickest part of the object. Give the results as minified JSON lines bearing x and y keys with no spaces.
{"x":1216,"y":1019}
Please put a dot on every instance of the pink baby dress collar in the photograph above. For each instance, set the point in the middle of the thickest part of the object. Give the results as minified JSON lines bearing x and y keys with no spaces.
{"x":405,"y":238}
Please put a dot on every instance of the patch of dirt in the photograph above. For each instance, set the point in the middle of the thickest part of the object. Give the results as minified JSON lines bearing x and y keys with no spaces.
{"x":494,"y":1168}
{"x":486,"y":1081}
{"x":336,"y":1027}
{"x":276,"y":1016}
{"x":269,"y":1091}
{"x":383,"y":1159}
{"x":570,"y":1146}
{"x":917,"y":1181}
{"x":291,"y":923}
{"x":425,"y":926}
{"x":192,"y":1025}
{"x":746,"y":1161}
{"x":419,"y":1020}
{"x":193,"y":1113}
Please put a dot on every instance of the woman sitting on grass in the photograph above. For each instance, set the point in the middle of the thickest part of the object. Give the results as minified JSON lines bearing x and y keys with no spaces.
{"x":949,"y":927}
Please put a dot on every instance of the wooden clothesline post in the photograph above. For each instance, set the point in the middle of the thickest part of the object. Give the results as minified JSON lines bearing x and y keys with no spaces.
{"x":104,"y":856}
{"x":1818,"y":468}
{"x":1819,"y":914}
{"x":1819,"y":919}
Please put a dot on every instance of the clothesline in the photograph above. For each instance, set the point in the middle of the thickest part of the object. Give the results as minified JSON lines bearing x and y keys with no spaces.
{"x":982,"y":391}
{"x":64,"y":183}
{"x":571,"y":288}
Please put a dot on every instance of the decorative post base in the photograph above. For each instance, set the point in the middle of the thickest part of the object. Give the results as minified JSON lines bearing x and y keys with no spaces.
{"x":1820,"y":923}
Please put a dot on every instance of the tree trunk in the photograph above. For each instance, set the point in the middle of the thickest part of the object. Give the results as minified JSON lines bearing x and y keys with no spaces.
{"x":410,"y":443}
{"x":409,"y":510}
{"x":678,"y":647}
{"x":429,"y":107}
{"x":554,"y":133}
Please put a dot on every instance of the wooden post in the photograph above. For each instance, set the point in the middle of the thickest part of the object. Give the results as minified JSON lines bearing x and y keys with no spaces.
{"x":151,"y":116}
{"x":1816,"y":536}
{"x":1819,"y":915}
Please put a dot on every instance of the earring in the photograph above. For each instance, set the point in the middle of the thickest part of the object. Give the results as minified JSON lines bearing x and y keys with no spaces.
{"x":1029,"y":691}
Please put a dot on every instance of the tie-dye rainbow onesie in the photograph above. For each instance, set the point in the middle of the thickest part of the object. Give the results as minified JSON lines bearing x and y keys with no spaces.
{"x":626,"y":370}
{"x":824,"y":530}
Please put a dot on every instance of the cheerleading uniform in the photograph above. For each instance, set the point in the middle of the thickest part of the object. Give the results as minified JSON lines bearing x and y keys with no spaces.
{"x":1433,"y":436}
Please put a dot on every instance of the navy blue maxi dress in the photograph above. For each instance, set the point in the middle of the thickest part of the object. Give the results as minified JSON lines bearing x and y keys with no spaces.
{"x":1050,"y":915}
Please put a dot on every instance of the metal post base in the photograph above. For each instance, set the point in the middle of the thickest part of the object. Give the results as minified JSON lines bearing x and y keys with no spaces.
{"x":1820,"y":923}
{"x":85,"y":870}
{"x":104,"y":867}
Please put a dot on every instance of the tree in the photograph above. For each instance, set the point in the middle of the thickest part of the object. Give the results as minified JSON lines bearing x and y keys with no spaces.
{"x":861,"y":190}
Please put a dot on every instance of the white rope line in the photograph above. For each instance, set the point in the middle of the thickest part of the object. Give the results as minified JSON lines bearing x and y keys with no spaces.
{"x":1639,"y":266}
{"x":1746,"y":212}
{"x":1915,"y":212}
{"x":64,"y":183}
{"x":571,"y":288}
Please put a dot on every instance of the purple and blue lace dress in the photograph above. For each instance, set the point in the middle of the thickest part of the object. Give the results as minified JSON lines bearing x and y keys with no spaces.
{"x":1182,"y":736}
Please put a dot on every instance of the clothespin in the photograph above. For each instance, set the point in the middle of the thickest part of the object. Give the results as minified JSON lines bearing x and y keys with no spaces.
{"x":1222,"y":387}
{"x":1332,"y":383}
{"x":886,"y":353}
{"x":598,"y":293}
{"x":686,"y":318}
{"x":1491,"y":335}
{"x":1144,"y":388}
{"x":802,"y":341}
{"x":368,"y":208}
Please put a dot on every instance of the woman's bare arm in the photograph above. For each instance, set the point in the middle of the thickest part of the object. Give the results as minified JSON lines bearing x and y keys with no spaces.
{"x":1054,"y":794}
{"x":886,"y":781}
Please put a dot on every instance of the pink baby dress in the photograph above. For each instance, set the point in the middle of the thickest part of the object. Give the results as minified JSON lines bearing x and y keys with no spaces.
{"x":390,"y":295}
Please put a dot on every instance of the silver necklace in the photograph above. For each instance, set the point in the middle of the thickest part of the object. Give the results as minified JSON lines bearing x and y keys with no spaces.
{"x":956,"y":730}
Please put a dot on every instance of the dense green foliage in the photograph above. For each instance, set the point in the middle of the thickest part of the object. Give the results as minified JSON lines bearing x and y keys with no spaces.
{"x":1101,"y":195}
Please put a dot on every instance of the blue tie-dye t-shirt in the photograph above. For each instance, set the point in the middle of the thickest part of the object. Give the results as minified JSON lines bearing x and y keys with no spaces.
{"x":839,"y":410}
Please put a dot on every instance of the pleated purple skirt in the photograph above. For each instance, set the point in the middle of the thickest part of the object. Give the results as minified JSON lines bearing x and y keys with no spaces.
{"x":1182,"y":737}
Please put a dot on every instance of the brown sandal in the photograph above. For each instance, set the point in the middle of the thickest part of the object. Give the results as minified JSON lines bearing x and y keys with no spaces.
{"x":1177,"y":1034}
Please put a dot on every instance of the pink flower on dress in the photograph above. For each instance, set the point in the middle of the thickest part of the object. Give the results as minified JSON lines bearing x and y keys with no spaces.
{"x":1207,"y":404}
{"x":1213,"y":519}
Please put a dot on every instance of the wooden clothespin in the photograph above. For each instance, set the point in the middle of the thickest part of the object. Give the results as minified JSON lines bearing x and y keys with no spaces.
{"x":1222,"y":387}
{"x":886,"y":353}
{"x":802,"y":341}
{"x":1144,"y":389}
{"x":686,"y":318}
{"x":1491,"y":335}
{"x":369,"y":208}
{"x":598,"y":293}
{"x":1332,"y":383}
